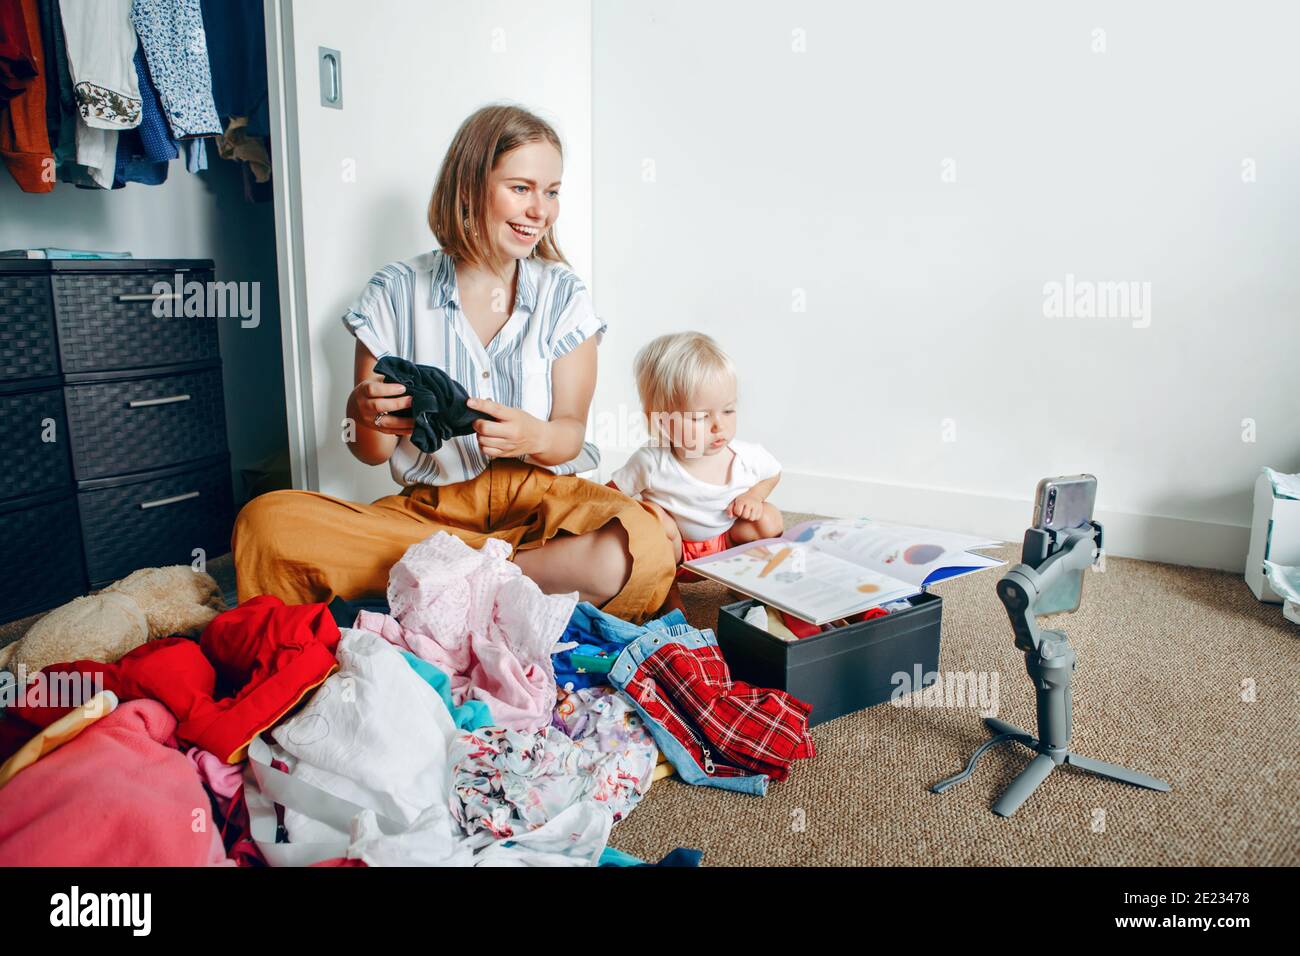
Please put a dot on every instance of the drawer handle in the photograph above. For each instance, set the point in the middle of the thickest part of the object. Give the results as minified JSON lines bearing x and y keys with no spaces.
{"x":146,"y":402}
{"x":147,"y":296}
{"x":159,"y":502}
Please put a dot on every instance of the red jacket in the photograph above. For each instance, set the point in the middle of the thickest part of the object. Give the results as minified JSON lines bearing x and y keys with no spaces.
{"x":24,"y":140}
{"x":252,"y":665}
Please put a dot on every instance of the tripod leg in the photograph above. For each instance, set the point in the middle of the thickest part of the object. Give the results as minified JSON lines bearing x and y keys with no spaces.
{"x":1026,"y":783}
{"x":955,"y":779}
{"x":1014,"y":733}
{"x":1115,"y":772}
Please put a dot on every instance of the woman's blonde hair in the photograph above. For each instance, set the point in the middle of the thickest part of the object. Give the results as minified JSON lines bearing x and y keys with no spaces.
{"x":460,"y":193}
{"x":672,"y":367}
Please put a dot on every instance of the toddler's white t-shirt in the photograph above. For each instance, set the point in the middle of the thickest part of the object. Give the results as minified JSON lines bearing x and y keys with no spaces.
{"x":698,"y":507}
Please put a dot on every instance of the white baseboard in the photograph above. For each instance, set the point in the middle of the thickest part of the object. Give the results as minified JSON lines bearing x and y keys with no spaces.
{"x":1198,"y":544}
{"x":1184,"y":541}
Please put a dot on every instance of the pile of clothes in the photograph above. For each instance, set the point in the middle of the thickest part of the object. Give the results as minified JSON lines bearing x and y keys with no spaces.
{"x":469,"y":720}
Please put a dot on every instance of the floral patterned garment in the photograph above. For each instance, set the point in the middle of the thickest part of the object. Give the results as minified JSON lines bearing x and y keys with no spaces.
{"x":600,"y":711}
{"x":176,"y":48}
{"x":507,"y":783}
{"x":100,"y":44}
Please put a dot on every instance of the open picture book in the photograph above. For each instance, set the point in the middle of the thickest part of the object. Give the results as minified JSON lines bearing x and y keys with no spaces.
{"x":828,"y":569}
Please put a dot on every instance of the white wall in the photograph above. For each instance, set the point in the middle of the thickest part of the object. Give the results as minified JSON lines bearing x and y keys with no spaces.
{"x":412,"y":72}
{"x":822,"y":171}
{"x":190,"y":216}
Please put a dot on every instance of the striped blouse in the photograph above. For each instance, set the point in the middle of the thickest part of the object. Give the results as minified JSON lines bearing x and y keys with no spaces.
{"x":412,"y":309}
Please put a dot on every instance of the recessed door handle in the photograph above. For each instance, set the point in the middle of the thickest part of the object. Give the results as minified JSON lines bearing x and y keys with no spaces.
{"x":330,"y":63}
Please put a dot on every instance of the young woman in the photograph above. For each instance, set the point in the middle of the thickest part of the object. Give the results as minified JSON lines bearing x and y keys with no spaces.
{"x":497,"y":309}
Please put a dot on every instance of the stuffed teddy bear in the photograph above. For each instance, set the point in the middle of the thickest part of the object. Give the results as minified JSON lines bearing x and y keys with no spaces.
{"x":146,"y":604}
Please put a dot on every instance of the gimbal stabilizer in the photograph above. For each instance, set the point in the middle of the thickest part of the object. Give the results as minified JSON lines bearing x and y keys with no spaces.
{"x":1047,"y":556}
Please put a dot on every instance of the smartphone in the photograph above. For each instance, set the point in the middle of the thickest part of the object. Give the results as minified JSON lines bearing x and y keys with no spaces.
{"x":1062,"y":504}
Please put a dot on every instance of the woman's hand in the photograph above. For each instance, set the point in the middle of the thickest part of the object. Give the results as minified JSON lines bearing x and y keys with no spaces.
{"x":373,"y":398}
{"x":514,"y":434}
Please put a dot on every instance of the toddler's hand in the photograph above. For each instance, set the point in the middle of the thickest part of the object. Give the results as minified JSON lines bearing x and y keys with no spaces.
{"x":747,"y":507}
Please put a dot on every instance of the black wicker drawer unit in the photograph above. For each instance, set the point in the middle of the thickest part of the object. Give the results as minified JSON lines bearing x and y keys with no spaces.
{"x":113,"y":418}
{"x":109,"y":321}
{"x":133,"y":425}
{"x":148,"y":521}
{"x":41,"y":560}
{"x":35,"y":433}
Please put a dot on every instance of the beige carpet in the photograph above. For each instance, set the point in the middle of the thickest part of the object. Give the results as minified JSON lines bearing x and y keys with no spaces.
{"x":1164,"y":653}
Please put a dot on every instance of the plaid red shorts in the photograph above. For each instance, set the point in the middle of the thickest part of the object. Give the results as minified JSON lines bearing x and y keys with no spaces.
{"x":730,"y":728}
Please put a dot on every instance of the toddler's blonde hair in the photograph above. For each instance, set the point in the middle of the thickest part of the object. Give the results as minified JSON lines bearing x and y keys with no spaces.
{"x":671,"y":367}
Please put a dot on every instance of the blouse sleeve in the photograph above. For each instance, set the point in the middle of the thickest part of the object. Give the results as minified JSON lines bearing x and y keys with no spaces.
{"x":373,"y":316}
{"x":576,"y":324}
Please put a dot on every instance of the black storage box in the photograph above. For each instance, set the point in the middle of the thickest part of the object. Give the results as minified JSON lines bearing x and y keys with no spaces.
{"x":838,"y":671}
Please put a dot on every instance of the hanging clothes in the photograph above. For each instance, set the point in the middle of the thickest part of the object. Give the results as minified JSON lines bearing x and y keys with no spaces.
{"x":101,"y":52}
{"x":140,"y":159}
{"x":100,"y":44}
{"x":255,"y":191}
{"x":132,"y":166}
{"x":111,"y":116}
{"x":239,"y":145}
{"x":63,"y":136}
{"x":18,"y":66}
{"x":155,"y":135}
{"x":175,"y":47}
{"x":51,"y":53}
{"x":196,"y":154}
{"x":236,"y":34}
{"x":24,"y":139}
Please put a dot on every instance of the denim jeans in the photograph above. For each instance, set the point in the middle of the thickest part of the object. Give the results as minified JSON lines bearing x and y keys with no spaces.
{"x":624,"y":672}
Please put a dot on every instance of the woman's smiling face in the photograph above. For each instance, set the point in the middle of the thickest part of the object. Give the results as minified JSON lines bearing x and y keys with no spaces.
{"x":523,"y":198}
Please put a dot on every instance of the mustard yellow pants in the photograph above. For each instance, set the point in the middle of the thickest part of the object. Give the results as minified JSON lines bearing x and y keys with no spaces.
{"x":304,"y":547}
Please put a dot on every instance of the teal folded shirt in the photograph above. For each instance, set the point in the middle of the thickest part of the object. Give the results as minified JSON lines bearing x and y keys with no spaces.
{"x":470,"y":715}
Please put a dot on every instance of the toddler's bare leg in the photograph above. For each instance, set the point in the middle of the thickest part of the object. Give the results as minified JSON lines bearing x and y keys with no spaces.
{"x":670,"y":528}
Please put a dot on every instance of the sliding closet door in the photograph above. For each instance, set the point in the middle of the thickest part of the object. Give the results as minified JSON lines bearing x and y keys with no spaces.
{"x":353,"y":183}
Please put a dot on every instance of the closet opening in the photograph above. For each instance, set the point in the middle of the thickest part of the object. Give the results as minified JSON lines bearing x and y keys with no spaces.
{"x":142,"y":396}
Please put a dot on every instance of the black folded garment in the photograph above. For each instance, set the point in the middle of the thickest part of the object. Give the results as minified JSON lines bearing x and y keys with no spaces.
{"x":438,"y":402}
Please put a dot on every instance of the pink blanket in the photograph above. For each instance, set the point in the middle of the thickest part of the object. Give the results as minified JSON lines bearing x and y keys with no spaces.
{"x":116,"y":795}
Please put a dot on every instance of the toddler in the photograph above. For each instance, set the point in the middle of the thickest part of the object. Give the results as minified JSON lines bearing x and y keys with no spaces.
{"x":708,"y":489}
